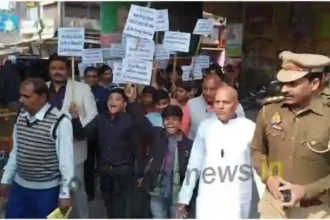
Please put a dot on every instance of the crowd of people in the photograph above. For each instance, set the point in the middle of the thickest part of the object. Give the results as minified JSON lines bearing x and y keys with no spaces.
{"x":150,"y":148}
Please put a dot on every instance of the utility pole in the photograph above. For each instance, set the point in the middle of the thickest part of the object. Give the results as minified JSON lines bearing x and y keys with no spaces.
{"x":40,"y":28}
{"x":59,"y":20}
{"x":60,"y":14}
{"x":88,"y":12}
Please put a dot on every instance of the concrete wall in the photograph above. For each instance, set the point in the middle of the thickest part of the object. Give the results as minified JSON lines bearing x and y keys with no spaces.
{"x":82,"y":10}
{"x":50,"y":12}
{"x":20,"y":10}
{"x":72,"y":10}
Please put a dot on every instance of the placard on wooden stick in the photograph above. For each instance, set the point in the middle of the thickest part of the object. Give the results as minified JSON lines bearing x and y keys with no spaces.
{"x":177,"y":41}
{"x":141,"y":23}
{"x":71,"y":43}
{"x":73,"y":77}
{"x":204,"y":27}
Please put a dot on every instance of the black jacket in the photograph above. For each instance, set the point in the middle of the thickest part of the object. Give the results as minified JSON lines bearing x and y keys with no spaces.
{"x":118,"y":139}
{"x":158,"y":145}
{"x":157,"y":156}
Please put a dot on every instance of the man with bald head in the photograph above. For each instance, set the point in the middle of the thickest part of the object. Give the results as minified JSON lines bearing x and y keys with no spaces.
{"x":225,"y":103}
{"x":222,"y":163}
{"x":200,"y":108}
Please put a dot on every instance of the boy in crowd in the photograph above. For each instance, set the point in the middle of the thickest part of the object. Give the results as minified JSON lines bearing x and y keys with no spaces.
{"x":167,"y":159}
{"x":118,"y":147}
{"x":147,"y":96}
{"x":167,"y":164}
{"x":183,"y":92}
{"x":161,"y":100}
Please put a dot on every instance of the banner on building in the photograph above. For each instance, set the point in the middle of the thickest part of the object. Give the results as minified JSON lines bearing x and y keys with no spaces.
{"x":8,"y":22}
{"x":112,"y":22}
{"x":234,"y":40}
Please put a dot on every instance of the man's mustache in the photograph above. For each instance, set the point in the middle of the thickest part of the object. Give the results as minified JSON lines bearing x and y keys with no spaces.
{"x":287,"y":95}
{"x":58,"y":74}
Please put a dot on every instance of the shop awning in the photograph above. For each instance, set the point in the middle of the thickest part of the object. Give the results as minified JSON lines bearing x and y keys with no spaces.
{"x":12,"y":50}
{"x":26,"y":42}
{"x":91,"y":37}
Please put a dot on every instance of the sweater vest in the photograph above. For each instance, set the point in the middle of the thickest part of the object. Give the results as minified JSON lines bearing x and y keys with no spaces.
{"x":198,"y":112}
{"x":36,"y":157}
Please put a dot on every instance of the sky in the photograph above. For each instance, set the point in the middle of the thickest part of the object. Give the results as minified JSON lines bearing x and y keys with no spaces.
{"x":4,"y":4}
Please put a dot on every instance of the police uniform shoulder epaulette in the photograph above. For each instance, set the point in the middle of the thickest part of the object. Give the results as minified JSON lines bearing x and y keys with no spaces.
{"x":271,"y":100}
{"x":274,"y":99}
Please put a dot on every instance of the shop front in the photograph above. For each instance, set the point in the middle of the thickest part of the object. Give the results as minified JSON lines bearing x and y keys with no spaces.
{"x":272,"y":27}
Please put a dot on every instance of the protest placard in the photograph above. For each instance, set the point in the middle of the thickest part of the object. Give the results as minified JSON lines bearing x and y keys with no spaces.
{"x":203,"y":27}
{"x":186,"y":73}
{"x":92,"y":55}
{"x":124,"y":40}
{"x":141,"y":49}
{"x":197,"y":73}
{"x":141,"y":22}
{"x":117,"y":50}
{"x":71,"y":42}
{"x":234,"y":40}
{"x":110,"y":63}
{"x":117,"y":73}
{"x":161,"y":53}
{"x":162,"y":23}
{"x":187,"y":70}
{"x":202,"y":61}
{"x":162,"y":64}
{"x":137,"y":71}
{"x":106,"y":53}
{"x":176,"y":41}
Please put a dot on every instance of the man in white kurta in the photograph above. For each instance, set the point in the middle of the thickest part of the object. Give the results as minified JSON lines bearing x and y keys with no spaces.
{"x":222,"y":143}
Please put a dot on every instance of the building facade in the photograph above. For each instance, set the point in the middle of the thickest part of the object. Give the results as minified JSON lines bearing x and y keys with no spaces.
{"x":64,"y":14}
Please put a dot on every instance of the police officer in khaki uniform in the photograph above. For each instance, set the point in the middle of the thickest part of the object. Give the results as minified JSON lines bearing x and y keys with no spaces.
{"x":290,"y":148}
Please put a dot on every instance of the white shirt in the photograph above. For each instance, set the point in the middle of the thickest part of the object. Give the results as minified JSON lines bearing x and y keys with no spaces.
{"x":219,"y":147}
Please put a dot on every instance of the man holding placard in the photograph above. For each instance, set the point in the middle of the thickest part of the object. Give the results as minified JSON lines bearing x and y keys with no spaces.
{"x":77,"y":99}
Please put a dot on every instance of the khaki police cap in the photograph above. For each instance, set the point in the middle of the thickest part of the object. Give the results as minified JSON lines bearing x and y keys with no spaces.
{"x":295,"y":66}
